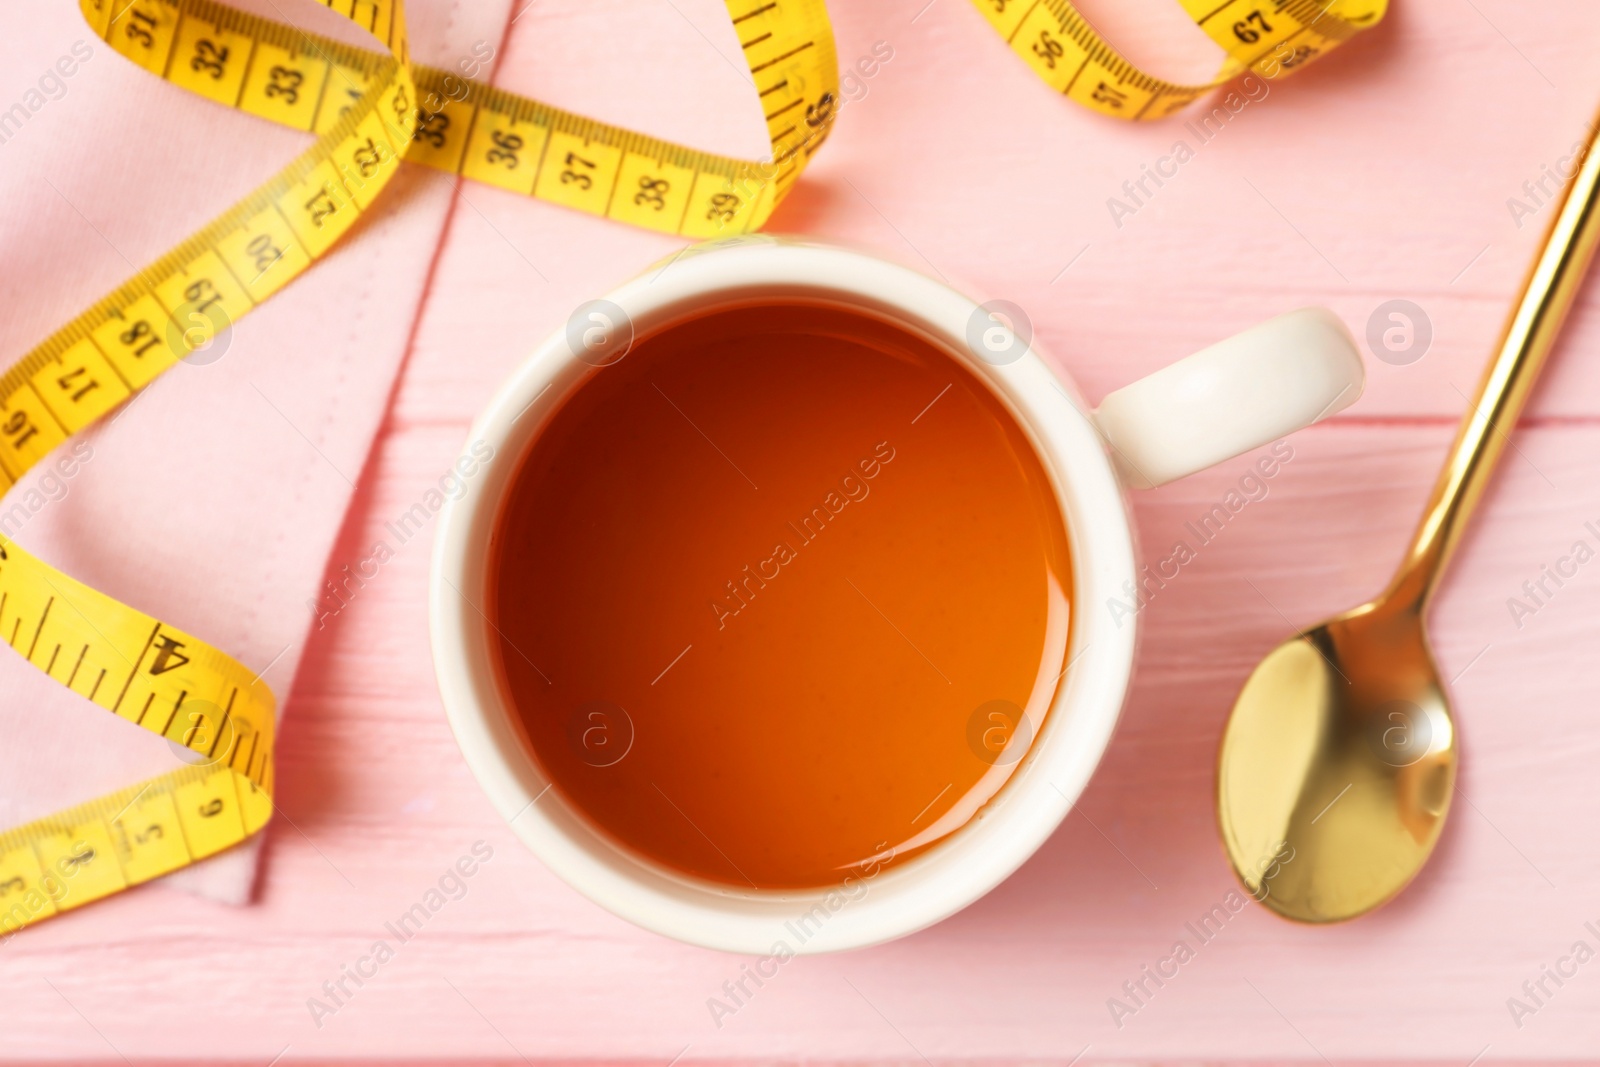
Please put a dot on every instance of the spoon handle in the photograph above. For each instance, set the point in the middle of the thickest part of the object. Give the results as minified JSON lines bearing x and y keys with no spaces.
{"x":1547,"y":295}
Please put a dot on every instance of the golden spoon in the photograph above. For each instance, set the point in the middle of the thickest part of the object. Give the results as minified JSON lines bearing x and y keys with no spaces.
{"x":1339,"y":760}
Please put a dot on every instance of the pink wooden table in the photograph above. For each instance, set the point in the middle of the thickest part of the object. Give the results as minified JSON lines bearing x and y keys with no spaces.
{"x":1382,"y":174}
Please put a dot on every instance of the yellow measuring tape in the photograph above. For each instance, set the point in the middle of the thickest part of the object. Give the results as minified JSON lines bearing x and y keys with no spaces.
{"x":371,"y":110}
{"x":1269,"y":37}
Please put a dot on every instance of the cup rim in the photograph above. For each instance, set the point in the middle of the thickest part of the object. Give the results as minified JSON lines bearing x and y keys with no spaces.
{"x":952,"y":873}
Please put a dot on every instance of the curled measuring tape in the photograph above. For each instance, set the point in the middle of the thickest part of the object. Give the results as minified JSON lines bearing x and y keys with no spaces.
{"x":371,"y":110}
{"x":1270,"y":37}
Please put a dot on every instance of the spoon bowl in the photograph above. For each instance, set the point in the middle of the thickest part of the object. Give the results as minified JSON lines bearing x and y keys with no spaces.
{"x":1337,"y":766}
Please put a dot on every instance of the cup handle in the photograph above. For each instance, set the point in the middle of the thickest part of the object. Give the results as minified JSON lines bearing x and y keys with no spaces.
{"x":1238,"y":394}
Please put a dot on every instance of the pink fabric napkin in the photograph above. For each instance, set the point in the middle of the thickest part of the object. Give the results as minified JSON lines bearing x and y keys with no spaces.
{"x":214,"y":499}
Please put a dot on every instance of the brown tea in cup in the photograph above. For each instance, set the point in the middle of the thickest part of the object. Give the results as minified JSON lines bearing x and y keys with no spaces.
{"x":781,"y":596}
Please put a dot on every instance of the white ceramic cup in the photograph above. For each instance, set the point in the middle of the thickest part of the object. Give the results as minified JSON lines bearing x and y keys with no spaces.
{"x":1234,"y":396}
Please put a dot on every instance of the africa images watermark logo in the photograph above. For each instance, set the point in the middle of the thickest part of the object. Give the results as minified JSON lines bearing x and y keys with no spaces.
{"x":450,"y":886}
{"x":853,"y":488}
{"x":51,"y":85}
{"x":1140,"y":990}
{"x":1137,"y":193}
{"x":351,"y":578}
{"x":738,"y":992}
{"x":1204,"y":528}
{"x":1537,"y":592}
